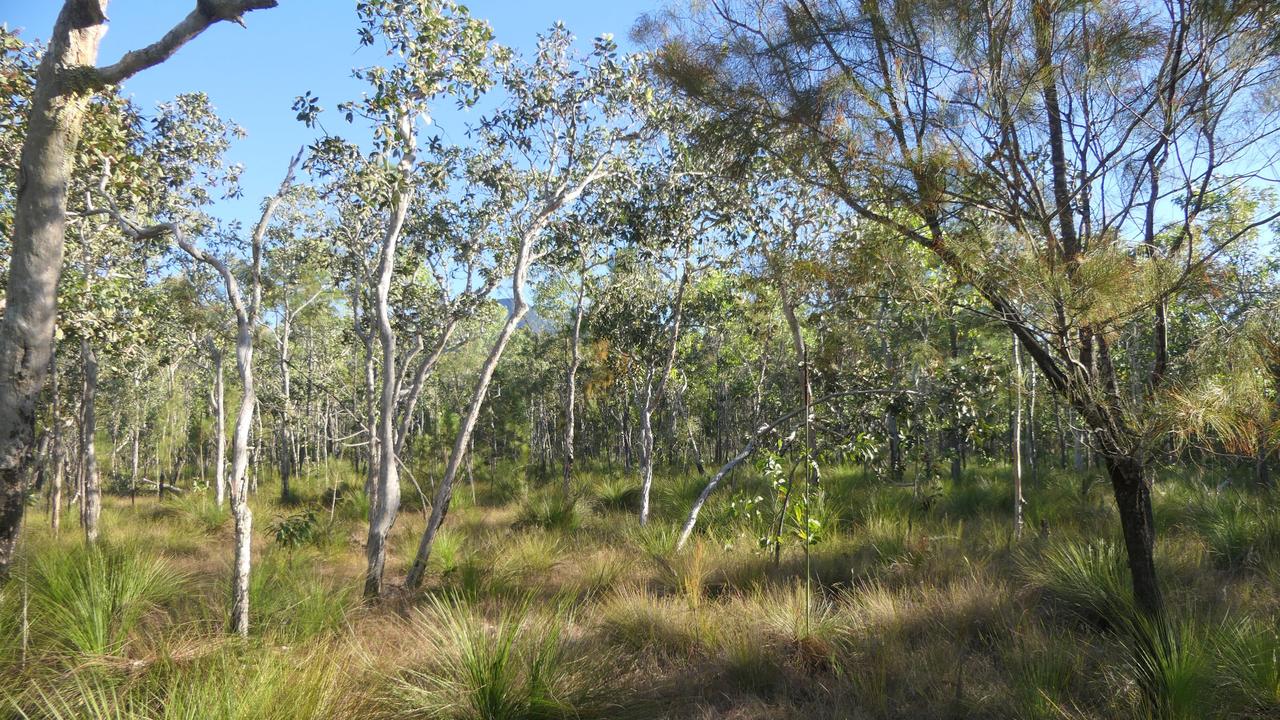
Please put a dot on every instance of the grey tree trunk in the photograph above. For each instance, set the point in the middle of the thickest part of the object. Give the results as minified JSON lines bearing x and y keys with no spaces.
{"x":91,"y":505}
{"x":44,"y":168}
{"x":1015,"y":443}
{"x":220,"y":432}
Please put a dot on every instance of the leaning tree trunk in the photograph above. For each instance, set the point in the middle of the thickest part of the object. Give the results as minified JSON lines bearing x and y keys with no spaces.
{"x":444,"y":493}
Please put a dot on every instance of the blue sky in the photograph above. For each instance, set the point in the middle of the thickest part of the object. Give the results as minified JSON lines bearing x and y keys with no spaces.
{"x":253,"y":75}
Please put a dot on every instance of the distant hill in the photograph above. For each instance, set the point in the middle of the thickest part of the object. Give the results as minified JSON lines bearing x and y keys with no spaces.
{"x":532,"y":321}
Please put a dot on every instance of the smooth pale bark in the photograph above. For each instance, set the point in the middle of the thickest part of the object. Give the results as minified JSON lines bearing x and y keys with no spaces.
{"x":384,"y":506}
{"x":525,"y":257}
{"x":797,"y":346}
{"x":444,"y":493}
{"x":246,"y":315}
{"x":64,"y":81}
{"x":409,"y":399}
{"x":246,"y":322}
{"x":571,"y":386}
{"x":651,"y":393}
{"x":91,"y":504}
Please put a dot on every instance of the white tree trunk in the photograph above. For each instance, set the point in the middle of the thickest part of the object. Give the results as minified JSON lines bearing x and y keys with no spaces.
{"x":571,"y":387}
{"x":384,"y":506}
{"x":652,"y":393}
{"x":241,"y":514}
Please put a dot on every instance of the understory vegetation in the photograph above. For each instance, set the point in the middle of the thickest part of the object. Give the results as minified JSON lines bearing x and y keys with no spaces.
{"x":903,"y":609}
{"x":883,"y":359}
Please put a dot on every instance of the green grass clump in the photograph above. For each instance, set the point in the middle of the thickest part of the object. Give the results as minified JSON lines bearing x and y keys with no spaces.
{"x":619,"y":494}
{"x":1249,"y":667}
{"x":202,"y":511}
{"x":86,"y":600}
{"x":1171,"y":661}
{"x":518,"y":666}
{"x":290,"y":599}
{"x":1086,"y":577}
{"x":1236,"y":530}
{"x":550,"y":513}
{"x":236,"y":684}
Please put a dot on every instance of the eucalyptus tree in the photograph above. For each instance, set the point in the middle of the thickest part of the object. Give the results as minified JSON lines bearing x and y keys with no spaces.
{"x":565,"y":123}
{"x":65,"y":80}
{"x":1059,"y":158}
{"x":246,"y":310}
{"x":440,"y":51}
{"x":682,"y":211}
{"x":183,"y":154}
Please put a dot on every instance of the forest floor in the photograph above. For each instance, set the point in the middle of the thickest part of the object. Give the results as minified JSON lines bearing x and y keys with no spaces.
{"x":907,"y":605}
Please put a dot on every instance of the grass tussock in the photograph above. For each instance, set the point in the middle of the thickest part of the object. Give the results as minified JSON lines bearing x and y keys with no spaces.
{"x":911,"y":602}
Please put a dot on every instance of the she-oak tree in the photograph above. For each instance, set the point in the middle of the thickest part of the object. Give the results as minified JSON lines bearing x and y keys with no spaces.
{"x":1063,"y":160}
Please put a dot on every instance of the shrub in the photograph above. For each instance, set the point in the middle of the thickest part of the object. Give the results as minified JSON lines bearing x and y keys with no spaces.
{"x":293,"y":531}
